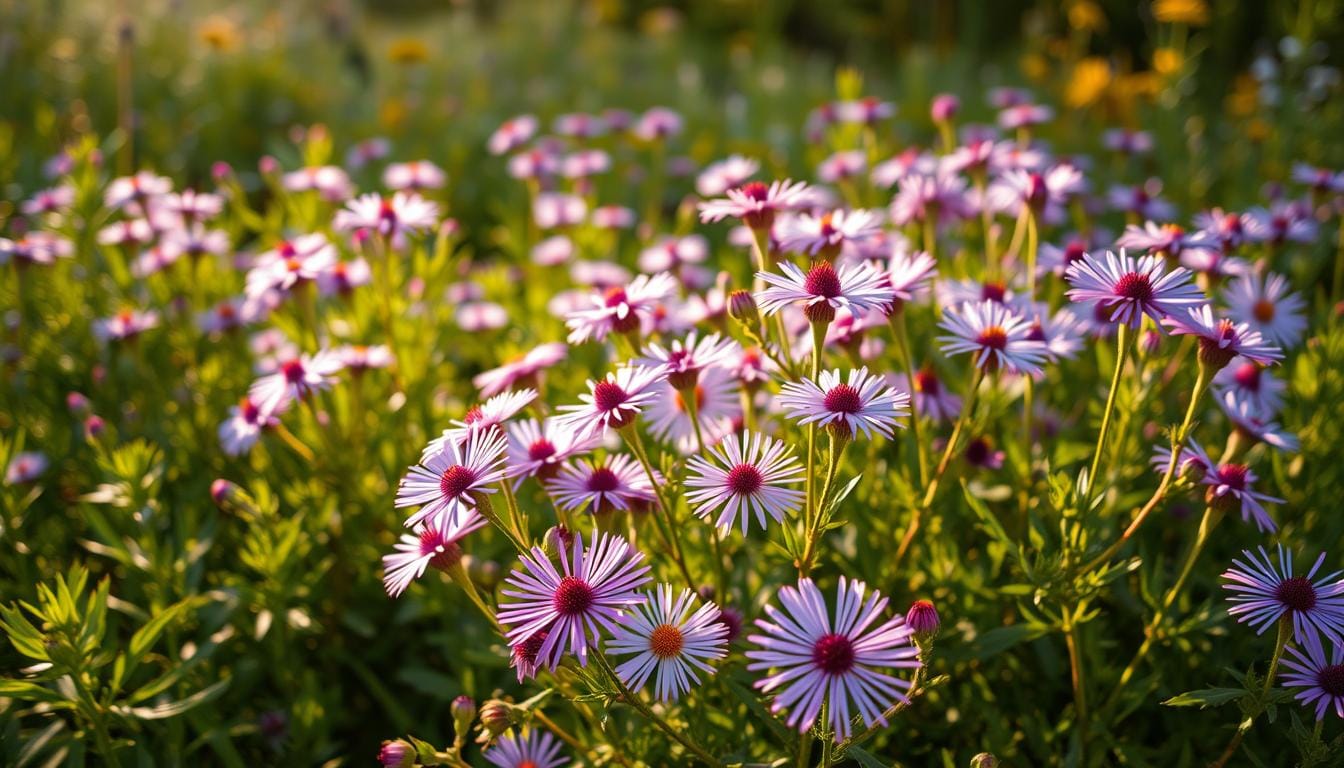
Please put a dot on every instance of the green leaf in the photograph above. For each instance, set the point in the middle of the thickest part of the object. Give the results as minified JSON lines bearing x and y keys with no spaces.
{"x":1205,"y":698}
{"x":174,"y":708}
{"x":754,"y":704}
{"x":865,"y":758}
{"x":28,"y":691}
{"x":145,"y":637}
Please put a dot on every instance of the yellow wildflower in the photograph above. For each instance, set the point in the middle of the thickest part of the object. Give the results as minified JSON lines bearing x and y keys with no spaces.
{"x":407,"y":51}
{"x":218,"y":32}
{"x":1089,"y":81}
{"x":1194,"y":13}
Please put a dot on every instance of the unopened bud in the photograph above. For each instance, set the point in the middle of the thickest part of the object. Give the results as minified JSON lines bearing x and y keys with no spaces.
{"x":496,"y":717}
{"x":396,"y":754}
{"x":923,"y":618}
{"x":94,"y":426}
{"x":223,"y":492}
{"x":944,"y":107}
{"x":463,"y":710}
{"x":984,"y":760}
{"x":742,"y":308}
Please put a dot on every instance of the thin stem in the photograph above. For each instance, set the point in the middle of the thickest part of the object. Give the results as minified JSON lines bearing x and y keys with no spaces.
{"x":294,"y":443}
{"x":1285,"y":631}
{"x":916,"y":688}
{"x":1123,"y":345}
{"x":633,"y":700}
{"x":804,"y":758}
{"x":1210,"y":521}
{"x":836,"y":450}
{"x":1078,"y":680}
{"x":689,"y":399}
{"x":897,"y":322}
{"x":515,"y":514}
{"x":781,"y":335}
{"x":636,"y":443}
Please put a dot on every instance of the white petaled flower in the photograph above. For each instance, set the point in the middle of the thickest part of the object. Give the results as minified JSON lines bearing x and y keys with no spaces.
{"x":396,"y":217}
{"x":614,"y":402}
{"x":414,"y":175}
{"x":824,"y":289}
{"x":756,"y":203}
{"x":682,"y":360}
{"x":295,"y":379}
{"x":908,"y":275}
{"x":857,"y":403}
{"x":512,"y":134}
{"x":995,"y":335}
{"x":620,"y":309}
{"x":289,"y":263}
{"x":733,"y":171}
{"x":1266,"y":304}
{"x":427,"y":546}
{"x":1249,"y":380}
{"x":614,"y":483}
{"x":828,"y":232}
{"x":444,"y":483}
{"x":485,"y":416}
{"x":717,"y":410}
{"x":748,"y":475}
{"x":670,"y":640}
{"x":247,"y":420}
{"x":522,"y":373}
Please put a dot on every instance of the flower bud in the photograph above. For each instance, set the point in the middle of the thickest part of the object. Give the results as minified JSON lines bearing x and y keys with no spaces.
{"x":944,"y":107}
{"x":223,"y":492}
{"x":94,"y":426}
{"x":496,"y":717}
{"x":732,"y":620}
{"x":463,"y":710}
{"x":984,"y":760}
{"x":221,"y":171}
{"x":396,"y":754}
{"x":923,"y":619}
{"x":78,"y":403}
{"x":742,"y":308}
{"x":268,"y":165}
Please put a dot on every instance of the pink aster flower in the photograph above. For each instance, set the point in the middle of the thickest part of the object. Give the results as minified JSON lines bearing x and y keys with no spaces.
{"x":290,"y":262}
{"x":835,"y":661}
{"x":1263,"y":593}
{"x":537,"y":449}
{"x":444,"y":482}
{"x":1221,"y":340}
{"x":193,"y":206}
{"x":34,"y":248}
{"x":673,"y":254}
{"x":359,"y":358}
{"x":669,"y":641}
{"x":25,"y":467}
{"x":484,"y":417}
{"x":131,"y":232}
{"x":1249,"y":380}
{"x":572,"y":605}
{"x":865,"y":111}
{"x":477,"y":316}
{"x":942,"y":196}
{"x":536,"y":163}
{"x":528,"y":749}
{"x":1226,"y":228}
{"x":396,"y":217}
{"x":858,"y":403}
{"x":1046,"y":193}
{"x":620,"y":309}
{"x":246,"y":422}
{"x":748,"y":474}
{"x":911,"y":162}
{"x":1229,"y":486}
{"x":1127,"y":142}
{"x":54,"y":200}
{"x":824,"y":289}
{"x":427,"y":546}
{"x":296,"y":379}
{"x":329,"y":181}
{"x":415,"y":175}
{"x":717,"y":409}
{"x":842,"y":165}
{"x":995,"y":335}
{"x":827,"y":233}
{"x":1284,"y":221}
{"x":366,"y":152}
{"x":136,"y":190}
{"x":1266,"y":304}
{"x":613,"y":402}
{"x":1162,"y":239}
{"x":682,"y":360}
{"x":602,"y":486}
{"x":756,"y":204}
{"x":1143,"y":200}
{"x":932,"y":398}
{"x":1321,"y":681}
{"x":908,"y":275}
{"x":558,"y":209}
{"x":1255,"y":423}
{"x":1131,"y":289}
{"x":522,"y":373}
{"x":512,"y":134}
{"x":1061,"y":332}
{"x":343,"y":277}
{"x":125,"y":325}
{"x":1024,"y":115}
{"x":729,"y":173}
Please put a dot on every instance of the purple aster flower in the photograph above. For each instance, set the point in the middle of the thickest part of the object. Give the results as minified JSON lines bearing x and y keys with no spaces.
{"x":669,"y":642}
{"x":748,"y":474}
{"x":1267,"y":305}
{"x":522,"y":373}
{"x":1142,"y":200}
{"x":717,"y":410}
{"x":836,"y":661}
{"x":246,"y":422}
{"x":537,"y":449}
{"x":1045,"y":193}
{"x":25,"y":467}
{"x":613,"y":402}
{"x":1221,"y":340}
{"x":528,"y":749}
{"x":1321,"y":681}
{"x":296,"y":379}
{"x":1263,"y":593}
{"x":729,"y":173}
{"x":1283,"y":221}
{"x":444,"y":482}
{"x":1229,"y":486}
{"x":606,"y":485}
{"x":859,"y":403}
{"x":572,"y":605}
{"x":756,"y":204}
{"x":1131,"y":289}
{"x":995,"y":334}
{"x":620,"y":309}
{"x":828,"y":232}
{"x":942,"y":196}
{"x":396,"y":217}
{"x":682,"y":360}
{"x":427,"y":546}
{"x":1255,"y":423}
{"x":414,"y":175}
{"x":824,"y":289}
{"x":1249,"y":380}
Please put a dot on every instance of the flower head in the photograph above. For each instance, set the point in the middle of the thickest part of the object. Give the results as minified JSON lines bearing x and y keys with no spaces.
{"x":1321,"y":680}
{"x":396,"y":217}
{"x":859,"y":403}
{"x":824,"y":289}
{"x":25,"y":467}
{"x":613,"y":402}
{"x":589,"y":593}
{"x":1266,"y":304}
{"x":522,"y":373}
{"x":537,"y":449}
{"x":528,"y":749}
{"x":1263,"y":593}
{"x":747,"y":475}
{"x":247,"y":420}
{"x":445,"y":481}
{"x":620,"y":309}
{"x":833,"y":661}
{"x":756,"y":204}
{"x":717,"y":409}
{"x":1131,"y":289}
{"x":296,"y":378}
{"x":427,"y":545}
{"x":995,"y":334}
{"x":603,"y":486}
{"x":1229,"y":486}
{"x":1222,"y":340}
{"x":669,"y":642}
{"x":484,"y":417}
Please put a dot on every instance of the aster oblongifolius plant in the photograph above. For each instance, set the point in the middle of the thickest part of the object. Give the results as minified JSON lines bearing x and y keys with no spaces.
{"x":687,"y":459}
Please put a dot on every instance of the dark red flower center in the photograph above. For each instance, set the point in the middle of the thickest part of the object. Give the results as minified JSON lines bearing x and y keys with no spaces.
{"x":993,"y":337}
{"x":822,"y":280}
{"x":607,"y":396}
{"x":1263,"y":310}
{"x":1331,"y":679}
{"x":926,"y":381}
{"x":445,"y":553}
{"x":615,"y":297}
{"x":994,"y":292}
{"x":666,"y":641}
{"x":1297,"y":594}
{"x":843,"y":399}
{"x":1247,"y":376}
{"x":833,"y":654}
{"x":573,"y":596}
{"x":1233,"y":476}
{"x":249,"y":411}
{"x":540,"y":450}
{"x":603,"y":480}
{"x":744,"y":480}
{"x":292,"y":370}
{"x":526,"y":651}
{"x":1036,"y":332}
{"x":756,"y":190}
{"x":977,"y":452}
{"x":455,"y":481}
{"x":1135,"y":287}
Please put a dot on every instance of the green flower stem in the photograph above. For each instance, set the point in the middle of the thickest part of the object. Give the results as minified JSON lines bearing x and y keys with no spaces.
{"x":1077,"y":679}
{"x":1124,"y":343}
{"x":1285,"y":632}
{"x":1210,"y":521}
{"x":762,"y":265}
{"x":897,"y":322}
{"x":814,"y":529}
{"x":916,"y":688}
{"x":632,"y":438}
{"x":632,"y":698}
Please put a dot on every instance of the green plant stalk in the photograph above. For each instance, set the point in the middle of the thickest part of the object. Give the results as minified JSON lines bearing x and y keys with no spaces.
{"x":636,"y":443}
{"x":1285,"y":631}
{"x":916,"y":688}
{"x":1124,"y":343}
{"x":1202,"y":380}
{"x":781,"y":335}
{"x":837,"y":449}
{"x":1078,"y":680}
{"x":1206,"y":525}
{"x":899,"y":331}
{"x":633,"y":700}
